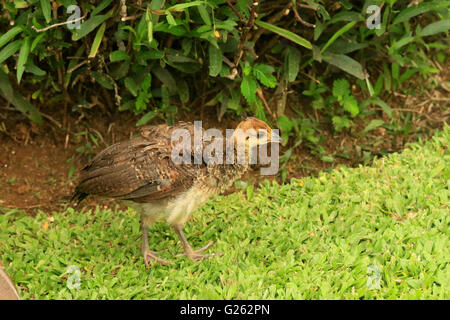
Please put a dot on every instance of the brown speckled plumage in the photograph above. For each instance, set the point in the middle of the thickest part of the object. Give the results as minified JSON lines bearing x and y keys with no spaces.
{"x":142,"y":172}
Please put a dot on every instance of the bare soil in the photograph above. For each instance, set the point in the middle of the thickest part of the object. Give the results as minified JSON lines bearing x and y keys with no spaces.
{"x":39,"y":164}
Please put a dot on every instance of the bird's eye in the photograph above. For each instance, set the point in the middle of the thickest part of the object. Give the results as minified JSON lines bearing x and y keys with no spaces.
{"x":261,"y":134}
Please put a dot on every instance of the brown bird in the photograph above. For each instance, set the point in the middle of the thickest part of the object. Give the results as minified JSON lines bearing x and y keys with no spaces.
{"x":142,"y":172}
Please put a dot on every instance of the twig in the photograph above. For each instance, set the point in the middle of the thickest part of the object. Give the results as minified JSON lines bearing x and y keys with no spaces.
{"x":310,"y":77}
{"x":263,"y":99}
{"x":306,"y":6}
{"x":58,"y":24}
{"x":132,"y":17}
{"x":77,"y":66}
{"x":51,"y":119}
{"x":239,"y":15}
{"x":299,"y":19}
{"x":244,"y":34}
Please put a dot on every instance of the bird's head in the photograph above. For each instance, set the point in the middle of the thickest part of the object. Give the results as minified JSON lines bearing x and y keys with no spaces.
{"x":254,"y":132}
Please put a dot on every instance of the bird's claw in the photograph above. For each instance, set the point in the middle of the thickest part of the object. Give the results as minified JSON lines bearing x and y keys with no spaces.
{"x":150,"y":256}
{"x":196,"y":255}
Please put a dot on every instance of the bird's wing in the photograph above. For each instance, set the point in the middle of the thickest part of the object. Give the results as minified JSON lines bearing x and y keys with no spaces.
{"x":140,"y":169}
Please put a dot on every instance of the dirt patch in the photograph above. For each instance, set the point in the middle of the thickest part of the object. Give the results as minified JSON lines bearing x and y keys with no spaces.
{"x":39,"y":164}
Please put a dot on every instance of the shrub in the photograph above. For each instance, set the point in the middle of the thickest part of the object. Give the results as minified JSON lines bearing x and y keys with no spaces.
{"x":155,"y":57}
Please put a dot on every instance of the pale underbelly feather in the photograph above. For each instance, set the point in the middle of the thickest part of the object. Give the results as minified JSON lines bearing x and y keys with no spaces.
{"x":174,"y":211}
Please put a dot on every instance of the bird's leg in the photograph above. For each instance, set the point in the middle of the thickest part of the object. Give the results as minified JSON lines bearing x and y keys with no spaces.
{"x":146,"y":252}
{"x":194,"y":255}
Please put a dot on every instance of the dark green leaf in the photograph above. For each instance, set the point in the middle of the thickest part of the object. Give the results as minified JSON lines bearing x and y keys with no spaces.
{"x":46,"y":10}
{"x":100,"y":7}
{"x":434,"y":28}
{"x":16,"y":99}
{"x":263,"y":73}
{"x":10,"y":49}
{"x":293,"y":63}
{"x":10,"y":34}
{"x":248,"y":89}
{"x":204,"y":14}
{"x":284,"y":124}
{"x":118,"y":55}
{"x":215,"y":60}
{"x":423,"y":7}
{"x":345,"y":63}
{"x":131,"y":85}
{"x":146,"y":118}
{"x":165,"y":77}
{"x":285,"y":33}
{"x":375,"y":123}
{"x":337,"y":34}
{"x":97,"y":40}
{"x":23,"y":57}
{"x":103,"y":80}
{"x":89,"y":25}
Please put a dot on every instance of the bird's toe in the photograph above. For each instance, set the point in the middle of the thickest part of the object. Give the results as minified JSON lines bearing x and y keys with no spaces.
{"x":151,"y":257}
{"x":196,"y":255}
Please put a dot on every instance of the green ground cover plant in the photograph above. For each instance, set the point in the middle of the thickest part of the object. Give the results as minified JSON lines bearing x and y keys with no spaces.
{"x":372,"y":232}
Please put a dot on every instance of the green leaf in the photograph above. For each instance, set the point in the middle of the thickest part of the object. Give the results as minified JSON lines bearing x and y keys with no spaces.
{"x":395,"y":70}
{"x":347,"y":16}
{"x":182,"y":6}
{"x":415,"y":10}
{"x":351,"y":105}
{"x":118,"y":55}
{"x":10,"y":34}
{"x":375,"y":123}
{"x":166,"y":78}
{"x":285,"y":124}
{"x":23,"y":57}
{"x":263,"y":73}
{"x":345,"y":63}
{"x":89,"y":25}
{"x":183,"y":90}
{"x":131,"y":85}
{"x":248,"y":89}
{"x":5,"y":86}
{"x":383,"y":106}
{"x":341,"y":88}
{"x":36,"y":41}
{"x":434,"y":28}
{"x":16,"y":99}
{"x":285,"y":33}
{"x":34,"y":69}
{"x":100,"y":7}
{"x":319,"y":29}
{"x":10,"y":49}
{"x":338,"y":33}
{"x":170,"y":19}
{"x":149,"y":20}
{"x":340,"y":123}
{"x":293,"y":63}
{"x":204,"y":14}
{"x":97,"y":40}
{"x":215,"y":60}
{"x":103,"y":80}
{"x":46,"y":10}
{"x":146,"y":118}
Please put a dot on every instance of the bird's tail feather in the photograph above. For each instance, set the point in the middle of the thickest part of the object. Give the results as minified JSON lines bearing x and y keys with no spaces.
{"x":77,"y":197}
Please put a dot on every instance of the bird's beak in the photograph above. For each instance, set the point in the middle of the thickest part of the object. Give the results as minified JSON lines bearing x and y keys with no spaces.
{"x":275,"y":138}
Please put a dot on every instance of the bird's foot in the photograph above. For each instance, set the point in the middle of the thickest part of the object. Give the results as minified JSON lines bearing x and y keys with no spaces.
{"x":151,"y":256}
{"x":196,"y":255}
